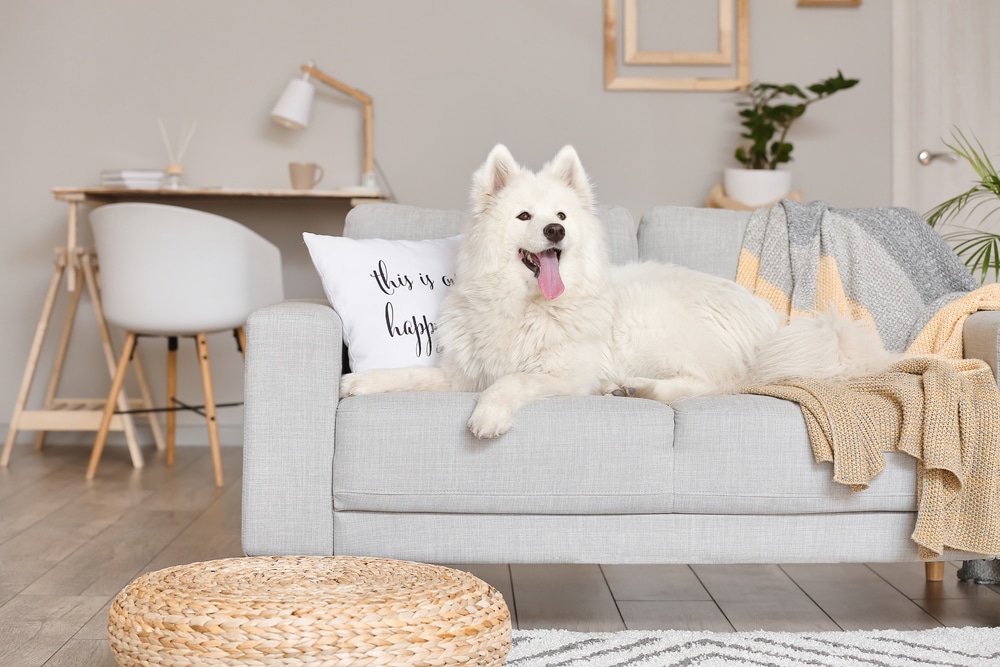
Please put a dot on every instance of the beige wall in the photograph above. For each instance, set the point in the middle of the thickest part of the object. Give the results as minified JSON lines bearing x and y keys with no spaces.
{"x":84,"y":83}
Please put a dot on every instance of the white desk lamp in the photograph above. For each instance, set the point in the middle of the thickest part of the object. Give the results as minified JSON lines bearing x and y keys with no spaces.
{"x":292,"y":110}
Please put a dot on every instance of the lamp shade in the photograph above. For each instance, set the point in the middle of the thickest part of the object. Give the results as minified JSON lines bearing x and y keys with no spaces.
{"x":292,"y":108}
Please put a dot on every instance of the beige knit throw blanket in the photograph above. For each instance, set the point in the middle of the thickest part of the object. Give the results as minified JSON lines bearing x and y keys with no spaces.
{"x":941,"y":409}
{"x":944,"y":413}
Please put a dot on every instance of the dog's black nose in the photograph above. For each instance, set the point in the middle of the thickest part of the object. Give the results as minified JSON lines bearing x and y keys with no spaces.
{"x":554,"y":232}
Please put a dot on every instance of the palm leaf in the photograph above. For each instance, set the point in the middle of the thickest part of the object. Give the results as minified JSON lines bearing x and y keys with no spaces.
{"x":948,"y":210}
{"x":989,"y":179}
{"x":980,"y":251}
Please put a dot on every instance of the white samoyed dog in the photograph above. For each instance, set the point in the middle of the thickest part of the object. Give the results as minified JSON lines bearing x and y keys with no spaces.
{"x":538,"y":310}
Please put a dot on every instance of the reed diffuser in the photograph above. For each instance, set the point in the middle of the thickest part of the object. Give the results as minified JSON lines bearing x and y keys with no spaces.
{"x":174,"y":169}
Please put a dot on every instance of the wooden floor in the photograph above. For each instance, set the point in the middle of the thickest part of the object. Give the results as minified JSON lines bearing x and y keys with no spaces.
{"x":67,"y":547}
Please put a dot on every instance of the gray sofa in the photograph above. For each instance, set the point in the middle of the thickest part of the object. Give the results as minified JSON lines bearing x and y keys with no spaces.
{"x":723,"y":479}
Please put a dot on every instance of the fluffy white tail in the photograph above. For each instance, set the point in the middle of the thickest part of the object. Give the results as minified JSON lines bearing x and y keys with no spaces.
{"x":829,"y":346}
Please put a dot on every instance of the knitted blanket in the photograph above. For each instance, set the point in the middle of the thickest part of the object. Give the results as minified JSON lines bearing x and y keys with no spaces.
{"x":882,"y":265}
{"x":944,"y":413}
{"x":886,"y":266}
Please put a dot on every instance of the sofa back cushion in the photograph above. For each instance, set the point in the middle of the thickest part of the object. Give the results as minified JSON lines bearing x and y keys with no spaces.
{"x":412,"y":223}
{"x":704,"y":239}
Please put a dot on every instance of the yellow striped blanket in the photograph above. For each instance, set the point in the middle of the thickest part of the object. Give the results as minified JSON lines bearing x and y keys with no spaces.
{"x":887,"y":267}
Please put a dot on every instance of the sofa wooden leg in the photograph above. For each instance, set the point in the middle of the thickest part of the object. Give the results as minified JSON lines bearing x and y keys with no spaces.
{"x":935,"y":571}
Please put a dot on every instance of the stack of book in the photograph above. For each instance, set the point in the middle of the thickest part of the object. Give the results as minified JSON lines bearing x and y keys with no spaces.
{"x":139,"y":179}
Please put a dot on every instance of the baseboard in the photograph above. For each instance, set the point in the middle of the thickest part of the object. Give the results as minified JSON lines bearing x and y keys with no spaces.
{"x":188,"y":435}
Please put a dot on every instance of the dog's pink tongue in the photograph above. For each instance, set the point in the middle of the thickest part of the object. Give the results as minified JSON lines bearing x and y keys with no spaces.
{"x":549,"y":280}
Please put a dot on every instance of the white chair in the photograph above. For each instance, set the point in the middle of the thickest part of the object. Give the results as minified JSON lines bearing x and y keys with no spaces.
{"x":178,"y":272}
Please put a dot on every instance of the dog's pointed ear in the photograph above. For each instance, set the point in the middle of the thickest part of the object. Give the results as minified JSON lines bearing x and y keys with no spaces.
{"x":492,"y":177}
{"x":566,"y":167}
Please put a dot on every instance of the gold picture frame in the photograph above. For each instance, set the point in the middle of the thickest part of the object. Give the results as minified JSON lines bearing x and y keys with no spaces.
{"x":612,"y":81}
{"x":633,"y":56}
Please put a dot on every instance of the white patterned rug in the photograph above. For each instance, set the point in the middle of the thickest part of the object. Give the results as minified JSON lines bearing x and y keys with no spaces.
{"x":952,"y":647}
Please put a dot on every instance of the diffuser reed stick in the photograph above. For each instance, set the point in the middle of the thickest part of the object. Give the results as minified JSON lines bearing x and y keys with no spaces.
{"x":174,"y":169}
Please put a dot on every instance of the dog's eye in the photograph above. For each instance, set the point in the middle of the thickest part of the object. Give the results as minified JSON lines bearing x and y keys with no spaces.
{"x":561,"y":215}
{"x":524,"y":215}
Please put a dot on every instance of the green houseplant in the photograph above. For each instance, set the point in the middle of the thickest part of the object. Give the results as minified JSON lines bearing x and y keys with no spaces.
{"x":768,"y":112}
{"x":979,"y":249}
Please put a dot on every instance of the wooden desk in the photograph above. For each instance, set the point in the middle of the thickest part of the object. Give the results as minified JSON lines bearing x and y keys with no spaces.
{"x":80,"y":269}
{"x":74,"y":197}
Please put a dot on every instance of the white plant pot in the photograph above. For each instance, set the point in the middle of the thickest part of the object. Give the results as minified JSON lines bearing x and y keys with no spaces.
{"x":755,"y":187}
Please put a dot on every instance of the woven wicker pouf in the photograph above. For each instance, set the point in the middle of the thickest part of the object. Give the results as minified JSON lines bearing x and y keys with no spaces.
{"x":320,"y":612}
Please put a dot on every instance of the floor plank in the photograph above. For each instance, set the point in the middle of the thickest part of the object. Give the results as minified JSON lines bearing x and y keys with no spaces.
{"x":673,"y":615}
{"x":574,"y":597}
{"x":189,"y":485}
{"x":24,"y":469}
{"x":962,"y":612}
{"x":112,"y":559}
{"x":34,"y":627}
{"x":654,"y":582}
{"x":762,"y":597}
{"x":858,"y":599}
{"x":83,"y":653}
{"x":34,"y":551}
{"x":31,"y":504}
{"x":96,"y":627}
{"x":214,"y":534}
{"x":910,"y":580}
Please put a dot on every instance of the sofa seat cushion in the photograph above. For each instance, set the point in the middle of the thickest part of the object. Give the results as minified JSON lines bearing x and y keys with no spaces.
{"x":745,"y":454}
{"x":412,"y":452}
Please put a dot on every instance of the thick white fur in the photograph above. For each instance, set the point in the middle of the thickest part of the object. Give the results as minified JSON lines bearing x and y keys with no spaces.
{"x":651,"y":330}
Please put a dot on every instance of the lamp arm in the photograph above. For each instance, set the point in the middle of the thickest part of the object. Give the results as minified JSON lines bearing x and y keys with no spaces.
{"x":366,"y":100}
{"x":342,"y":87}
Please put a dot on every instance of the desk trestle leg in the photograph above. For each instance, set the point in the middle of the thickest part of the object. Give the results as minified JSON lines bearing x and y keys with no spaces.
{"x":36,"y":350}
{"x":63,"y":414}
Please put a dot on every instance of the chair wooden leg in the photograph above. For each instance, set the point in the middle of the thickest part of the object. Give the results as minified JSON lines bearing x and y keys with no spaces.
{"x":213,"y":425}
{"x":171,"y":396}
{"x":90,"y":273}
{"x":147,"y":403}
{"x":241,"y":336}
{"x":109,"y":406}
{"x":934,"y":571}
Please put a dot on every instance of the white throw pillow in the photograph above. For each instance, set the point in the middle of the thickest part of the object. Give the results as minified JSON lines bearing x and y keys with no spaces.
{"x":388,"y":294}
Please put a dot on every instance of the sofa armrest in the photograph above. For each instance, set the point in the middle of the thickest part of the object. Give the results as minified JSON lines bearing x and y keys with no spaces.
{"x":293,"y":369}
{"x":981,"y":337}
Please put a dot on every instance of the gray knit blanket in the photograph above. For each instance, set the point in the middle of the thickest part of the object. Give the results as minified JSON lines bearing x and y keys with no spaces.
{"x":885,"y":265}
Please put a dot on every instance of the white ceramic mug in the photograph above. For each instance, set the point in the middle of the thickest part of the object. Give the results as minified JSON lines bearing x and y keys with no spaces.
{"x":305,"y":175}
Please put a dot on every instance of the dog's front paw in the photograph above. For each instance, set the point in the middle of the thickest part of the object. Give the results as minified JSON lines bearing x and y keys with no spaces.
{"x":349,"y":385}
{"x":491,"y":419}
{"x":358,"y":384}
{"x":616,"y":389}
